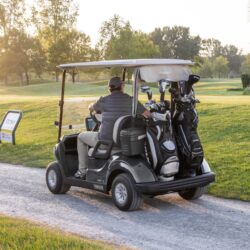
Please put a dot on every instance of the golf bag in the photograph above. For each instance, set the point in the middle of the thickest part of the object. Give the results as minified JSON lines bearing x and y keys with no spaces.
{"x":161,"y":147}
{"x":185,"y":123}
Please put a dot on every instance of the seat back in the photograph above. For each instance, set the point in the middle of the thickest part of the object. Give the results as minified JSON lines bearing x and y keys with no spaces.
{"x":120,"y":123}
{"x":123,"y":122}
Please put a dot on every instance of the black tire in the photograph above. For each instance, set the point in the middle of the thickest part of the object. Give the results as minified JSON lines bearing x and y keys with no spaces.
{"x":192,"y":193}
{"x":54,"y":179}
{"x":133,"y":199}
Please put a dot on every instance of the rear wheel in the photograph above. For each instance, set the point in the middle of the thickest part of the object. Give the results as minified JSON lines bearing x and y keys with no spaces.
{"x":192,"y":193}
{"x":54,"y":179}
{"x":124,"y":194}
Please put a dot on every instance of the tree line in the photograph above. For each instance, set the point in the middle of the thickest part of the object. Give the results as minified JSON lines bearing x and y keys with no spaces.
{"x":37,"y":39}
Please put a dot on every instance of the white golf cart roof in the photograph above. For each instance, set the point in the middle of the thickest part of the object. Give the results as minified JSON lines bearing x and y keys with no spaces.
{"x":151,"y":70}
{"x":128,"y":63}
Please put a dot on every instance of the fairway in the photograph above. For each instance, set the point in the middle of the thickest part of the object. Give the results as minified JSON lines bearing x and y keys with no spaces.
{"x":224,"y":128}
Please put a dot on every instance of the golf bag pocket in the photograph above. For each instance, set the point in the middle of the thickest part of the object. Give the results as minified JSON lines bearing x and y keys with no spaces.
{"x":190,"y":146}
{"x":170,"y":167}
{"x":197,"y":154}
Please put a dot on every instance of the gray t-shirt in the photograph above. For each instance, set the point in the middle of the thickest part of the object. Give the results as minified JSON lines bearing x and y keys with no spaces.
{"x":112,"y":107}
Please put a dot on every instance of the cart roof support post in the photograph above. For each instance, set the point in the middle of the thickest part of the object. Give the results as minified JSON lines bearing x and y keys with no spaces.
{"x":135,"y":92}
{"x":124,"y":70}
{"x":61,"y":103}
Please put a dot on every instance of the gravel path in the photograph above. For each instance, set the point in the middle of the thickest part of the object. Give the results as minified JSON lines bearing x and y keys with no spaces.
{"x":165,"y":222}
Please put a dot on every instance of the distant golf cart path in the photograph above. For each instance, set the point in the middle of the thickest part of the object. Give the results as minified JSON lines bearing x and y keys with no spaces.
{"x":165,"y":222}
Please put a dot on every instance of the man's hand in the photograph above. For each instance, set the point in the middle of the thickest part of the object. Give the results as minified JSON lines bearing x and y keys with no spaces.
{"x":91,"y":107}
{"x":146,"y":114}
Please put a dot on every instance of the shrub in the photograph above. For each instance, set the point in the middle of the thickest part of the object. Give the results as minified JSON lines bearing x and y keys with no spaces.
{"x":245,"y":79}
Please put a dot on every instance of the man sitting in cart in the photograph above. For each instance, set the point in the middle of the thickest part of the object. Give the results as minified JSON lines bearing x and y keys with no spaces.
{"x":112,"y":106}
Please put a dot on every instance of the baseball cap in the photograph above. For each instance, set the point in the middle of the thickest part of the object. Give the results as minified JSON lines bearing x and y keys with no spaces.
{"x":115,"y":82}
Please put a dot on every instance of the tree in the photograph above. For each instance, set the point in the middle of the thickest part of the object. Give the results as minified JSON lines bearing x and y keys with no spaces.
{"x":71,"y":47}
{"x":29,"y":55}
{"x":11,"y":17}
{"x":142,"y":46}
{"x":20,"y":52}
{"x":220,"y":65}
{"x":176,"y":42}
{"x":131,"y":44}
{"x":24,"y":53}
{"x":12,"y":22}
{"x":120,"y":41}
{"x":205,"y":69}
{"x":52,"y":18}
{"x":109,"y":30}
{"x":234,"y":57}
{"x":245,"y":66}
{"x":211,"y":48}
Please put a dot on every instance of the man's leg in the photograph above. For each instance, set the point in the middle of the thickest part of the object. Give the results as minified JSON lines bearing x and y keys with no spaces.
{"x":84,"y":140}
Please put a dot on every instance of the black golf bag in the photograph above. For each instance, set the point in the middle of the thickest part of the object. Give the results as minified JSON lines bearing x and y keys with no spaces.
{"x":161,"y":146}
{"x":185,"y":122}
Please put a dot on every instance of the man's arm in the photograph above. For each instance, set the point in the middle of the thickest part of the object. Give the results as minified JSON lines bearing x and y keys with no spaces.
{"x":143,"y":111}
{"x":97,"y":106}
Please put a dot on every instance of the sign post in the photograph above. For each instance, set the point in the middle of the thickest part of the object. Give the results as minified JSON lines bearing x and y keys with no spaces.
{"x":9,"y":125}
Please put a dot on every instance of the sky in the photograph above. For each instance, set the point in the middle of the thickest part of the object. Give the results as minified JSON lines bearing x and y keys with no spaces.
{"x":225,"y":20}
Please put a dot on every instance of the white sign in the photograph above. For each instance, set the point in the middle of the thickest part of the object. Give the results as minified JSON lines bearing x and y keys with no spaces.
{"x":6,"y":137}
{"x":10,"y":121}
{"x":9,"y":125}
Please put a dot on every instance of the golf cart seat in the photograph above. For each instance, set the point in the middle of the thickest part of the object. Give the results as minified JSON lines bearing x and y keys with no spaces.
{"x":103,"y":149}
{"x":120,"y":123}
{"x":129,"y":134}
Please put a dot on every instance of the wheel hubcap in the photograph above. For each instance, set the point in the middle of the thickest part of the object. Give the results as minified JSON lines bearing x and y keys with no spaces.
{"x":121,"y":193}
{"x":52,"y":178}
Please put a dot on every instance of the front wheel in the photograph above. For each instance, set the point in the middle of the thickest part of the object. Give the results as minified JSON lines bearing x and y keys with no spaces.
{"x":192,"y":193}
{"x":124,"y":194}
{"x":54,"y":179}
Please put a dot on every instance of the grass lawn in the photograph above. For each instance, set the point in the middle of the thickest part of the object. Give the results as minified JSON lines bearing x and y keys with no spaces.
{"x":224,"y":128}
{"x":211,"y":87}
{"x":224,"y":131}
{"x":21,"y":234}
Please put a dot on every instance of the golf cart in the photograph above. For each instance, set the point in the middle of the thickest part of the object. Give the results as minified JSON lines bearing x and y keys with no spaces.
{"x":148,"y":156}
